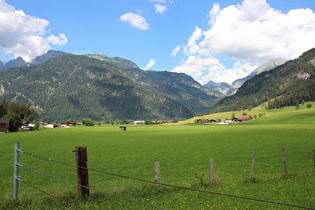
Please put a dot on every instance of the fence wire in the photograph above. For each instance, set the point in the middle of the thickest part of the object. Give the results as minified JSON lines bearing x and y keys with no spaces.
{"x":43,"y":174}
{"x":152,"y":182}
{"x":49,"y":194}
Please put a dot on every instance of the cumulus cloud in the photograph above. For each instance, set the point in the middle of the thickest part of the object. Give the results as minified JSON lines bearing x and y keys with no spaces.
{"x":160,"y":8}
{"x":136,"y":20}
{"x":58,"y":40}
{"x":150,"y":64}
{"x":251,"y":33}
{"x":254,"y":32}
{"x":22,"y":34}
{"x":175,"y":51}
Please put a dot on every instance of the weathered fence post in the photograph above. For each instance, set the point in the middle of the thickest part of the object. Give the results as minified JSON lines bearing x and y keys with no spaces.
{"x":16,"y":170}
{"x":157,"y":172}
{"x":253,"y":164}
{"x":285,"y":163}
{"x":211,"y":171}
{"x":82,"y":172}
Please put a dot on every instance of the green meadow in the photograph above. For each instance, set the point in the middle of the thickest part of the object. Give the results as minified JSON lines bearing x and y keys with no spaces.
{"x":183,"y":150}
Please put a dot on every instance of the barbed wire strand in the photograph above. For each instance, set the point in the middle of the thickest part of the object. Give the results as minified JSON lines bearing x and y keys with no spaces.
{"x":43,"y":174}
{"x":169,"y":185}
{"x":49,"y":194}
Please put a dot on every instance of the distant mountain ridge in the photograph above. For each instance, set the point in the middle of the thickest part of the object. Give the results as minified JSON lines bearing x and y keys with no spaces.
{"x":285,"y":85}
{"x":271,"y":64}
{"x":228,"y":90}
{"x":221,"y":86}
{"x":115,"y":60}
{"x":20,"y":62}
{"x":75,"y":86}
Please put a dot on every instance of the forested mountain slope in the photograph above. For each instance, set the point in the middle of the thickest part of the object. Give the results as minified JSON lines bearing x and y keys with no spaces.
{"x":74,"y":87}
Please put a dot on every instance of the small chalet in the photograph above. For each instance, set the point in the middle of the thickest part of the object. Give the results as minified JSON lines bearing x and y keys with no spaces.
{"x":25,"y":124}
{"x":243,"y":118}
{"x":236,"y":120}
{"x":212,"y":120}
{"x":4,"y":125}
{"x":123,"y":128}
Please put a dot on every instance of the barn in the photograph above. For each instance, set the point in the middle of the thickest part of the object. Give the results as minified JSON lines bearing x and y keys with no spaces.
{"x":4,"y":125}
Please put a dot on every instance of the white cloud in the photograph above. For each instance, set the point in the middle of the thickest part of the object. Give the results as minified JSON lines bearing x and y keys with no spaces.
{"x":150,"y":64}
{"x":250,"y":33}
{"x":136,"y":20}
{"x":160,"y":8}
{"x":175,"y":51}
{"x":192,"y":47}
{"x":58,"y":40}
{"x":254,"y":32}
{"x":23,"y":35}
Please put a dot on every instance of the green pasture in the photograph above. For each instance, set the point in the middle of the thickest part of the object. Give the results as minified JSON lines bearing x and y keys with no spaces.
{"x":183,"y":151}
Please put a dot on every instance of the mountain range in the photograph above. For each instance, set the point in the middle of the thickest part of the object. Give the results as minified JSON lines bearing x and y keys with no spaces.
{"x":228,"y":90}
{"x":65,"y":86}
{"x":20,"y":62}
{"x":286,"y":85}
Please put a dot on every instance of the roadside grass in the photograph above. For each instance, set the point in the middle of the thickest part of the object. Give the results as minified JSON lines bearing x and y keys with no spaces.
{"x":183,"y":152}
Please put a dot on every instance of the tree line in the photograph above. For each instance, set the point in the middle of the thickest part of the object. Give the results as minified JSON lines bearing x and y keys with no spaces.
{"x":17,"y":113}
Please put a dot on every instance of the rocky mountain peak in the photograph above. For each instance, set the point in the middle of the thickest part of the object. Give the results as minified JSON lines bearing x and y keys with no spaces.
{"x":18,"y":62}
{"x":115,"y":60}
{"x":45,"y":57}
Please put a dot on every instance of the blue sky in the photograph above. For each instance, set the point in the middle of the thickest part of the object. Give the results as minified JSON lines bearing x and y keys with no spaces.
{"x":219,"y":40}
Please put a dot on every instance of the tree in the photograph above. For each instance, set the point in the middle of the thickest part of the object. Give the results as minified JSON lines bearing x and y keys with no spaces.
{"x":174,"y":120}
{"x":15,"y":122}
{"x":309,"y":106}
{"x":297,"y":104}
{"x":233,"y":116}
{"x":37,"y":123}
{"x":88,"y":122}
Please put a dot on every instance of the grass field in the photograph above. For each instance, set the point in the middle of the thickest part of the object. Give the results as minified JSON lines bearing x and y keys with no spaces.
{"x":181,"y":149}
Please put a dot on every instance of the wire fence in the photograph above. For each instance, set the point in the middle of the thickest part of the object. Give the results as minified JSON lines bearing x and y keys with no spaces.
{"x":132,"y":178}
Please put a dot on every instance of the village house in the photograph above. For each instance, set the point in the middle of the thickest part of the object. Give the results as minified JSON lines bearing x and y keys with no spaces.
{"x":243,"y":118}
{"x":4,"y":125}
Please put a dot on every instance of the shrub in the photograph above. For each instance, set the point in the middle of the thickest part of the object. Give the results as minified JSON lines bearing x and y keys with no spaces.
{"x":309,"y":106}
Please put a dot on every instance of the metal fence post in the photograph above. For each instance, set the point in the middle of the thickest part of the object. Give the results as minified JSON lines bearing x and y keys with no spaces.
{"x":16,"y":170}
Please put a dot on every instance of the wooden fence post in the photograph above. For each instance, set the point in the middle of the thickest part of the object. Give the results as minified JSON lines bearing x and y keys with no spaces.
{"x":82,"y":172}
{"x":211,"y":171}
{"x":314,"y":158}
{"x":285,"y":163}
{"x":253,"y":164}
{"x":157,"y":172}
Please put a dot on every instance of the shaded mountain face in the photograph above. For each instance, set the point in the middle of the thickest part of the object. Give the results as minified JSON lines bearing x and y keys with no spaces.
{"x":75,"y":87}
{"x":221,"y":87}
{"x":273,"y":63}
{"x":284,"y":85}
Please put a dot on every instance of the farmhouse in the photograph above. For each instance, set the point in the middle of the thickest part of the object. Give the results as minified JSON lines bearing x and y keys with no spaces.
{"x":236,"y":120}
{"x":4,"y":124}
{"x":212,"y":120}
{"x":243,"y":118}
